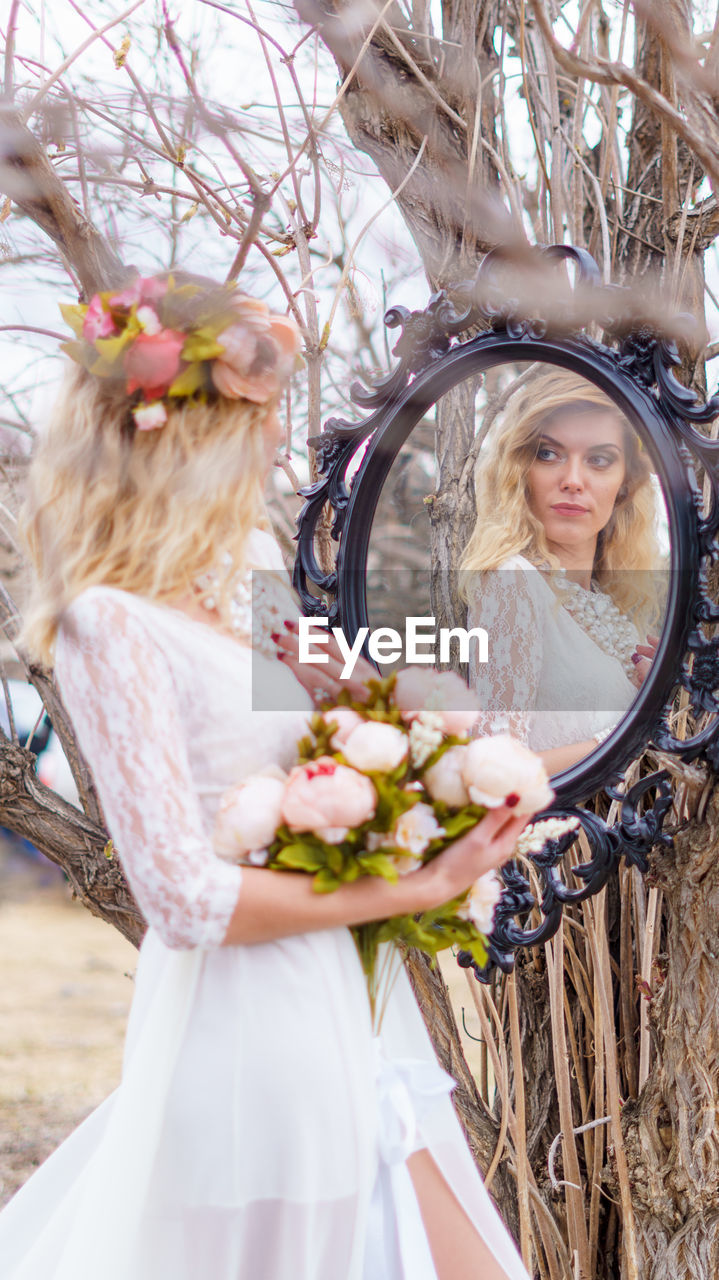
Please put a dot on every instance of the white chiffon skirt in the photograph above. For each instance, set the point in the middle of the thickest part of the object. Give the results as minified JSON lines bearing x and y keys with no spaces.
{"x":260,"y":1132}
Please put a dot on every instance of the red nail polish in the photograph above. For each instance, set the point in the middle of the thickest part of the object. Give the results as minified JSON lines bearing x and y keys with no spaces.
{"x":281,"y":655}
{"x":512,"y":799}
{"x":636,"y":657}
{"x":274,"y":635}
{"x":291,"y":626}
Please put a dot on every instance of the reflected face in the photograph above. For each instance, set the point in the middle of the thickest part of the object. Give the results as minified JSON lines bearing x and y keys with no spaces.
{"x":576,"y":475}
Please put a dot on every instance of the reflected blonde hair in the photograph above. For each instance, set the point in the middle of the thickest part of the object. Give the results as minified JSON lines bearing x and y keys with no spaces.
{"x":145,"y":511}
{"x":506,"y":526}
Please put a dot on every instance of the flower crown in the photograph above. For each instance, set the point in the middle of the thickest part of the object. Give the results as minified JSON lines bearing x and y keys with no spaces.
{"x":173,"y":341}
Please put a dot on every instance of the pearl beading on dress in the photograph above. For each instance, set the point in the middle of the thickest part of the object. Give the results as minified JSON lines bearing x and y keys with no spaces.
{"x":255,"y":609}
{"x":598,"y":615}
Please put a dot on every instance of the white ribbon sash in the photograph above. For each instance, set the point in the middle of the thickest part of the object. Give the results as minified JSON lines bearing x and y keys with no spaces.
{"x":397,"y":1244}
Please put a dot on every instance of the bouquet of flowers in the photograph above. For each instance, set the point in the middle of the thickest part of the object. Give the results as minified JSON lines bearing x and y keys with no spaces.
{"x":380,"y":788}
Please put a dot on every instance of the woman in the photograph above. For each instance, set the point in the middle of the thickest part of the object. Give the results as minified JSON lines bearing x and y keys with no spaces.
{"x":560,"y":568}
{"x":256,"y":1132}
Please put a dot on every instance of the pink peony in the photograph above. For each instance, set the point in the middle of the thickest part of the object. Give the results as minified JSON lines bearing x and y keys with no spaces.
{"x":374,"y":747}
{"x":148,"y":417}
{"x":152,"y":288}
{"x":500,"y":770}
{"x":248,"y":816}
{"x":142,"y":288}
{"x":323,"y":794}
{"x":482,"y":901}
{"x":416,"y":828}
{"x":346,"y":720}
{"x":444,"y":692}
{"x":231,"y":371}
{"x":153,"y":362}
{"x":98,"y":323}
{"x":127,"y":297}
{"x":444,"y":779}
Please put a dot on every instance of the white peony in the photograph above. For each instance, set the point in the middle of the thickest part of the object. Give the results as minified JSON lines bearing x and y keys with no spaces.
{"x":482,"y":901}
{"x":500,"y":770}
{"x":248,"y":816}
{"x":416,"y":828}
{"x":425,"y":735}
{"x":405,"y":863}
{"x":444,"y":780}
{"x":375,"y":748}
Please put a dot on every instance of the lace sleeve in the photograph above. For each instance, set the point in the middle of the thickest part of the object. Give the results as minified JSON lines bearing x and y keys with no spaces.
{"x":120,"y":694}
{"x":506,"y":606}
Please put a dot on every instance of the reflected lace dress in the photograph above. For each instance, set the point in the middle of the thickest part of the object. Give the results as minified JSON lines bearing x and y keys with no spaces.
{"x":260,"y":1130}
{"x":546,"y":679}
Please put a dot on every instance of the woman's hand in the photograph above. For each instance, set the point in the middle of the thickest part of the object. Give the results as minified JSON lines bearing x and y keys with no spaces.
{"x":642,"y":658}
{"x":488,"y":845}
{"x":324,"y":677}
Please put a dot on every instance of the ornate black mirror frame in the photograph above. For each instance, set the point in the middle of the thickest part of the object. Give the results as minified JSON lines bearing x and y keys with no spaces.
{"x":635,"y":369}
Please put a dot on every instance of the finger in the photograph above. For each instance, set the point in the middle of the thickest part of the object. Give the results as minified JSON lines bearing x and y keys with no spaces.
{"x":311,"y":680}
{"x":512,"y":830}
{"x":362,"y":669}
{"x":331,"y":663}
{"x":653,"y":640}
{"x":493,"y":822}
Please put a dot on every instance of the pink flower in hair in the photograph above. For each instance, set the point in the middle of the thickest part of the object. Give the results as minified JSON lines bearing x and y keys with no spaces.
{"x":98,"y":323}
{"x":153,"y":362}
{"x":151,"y":288}
{"x":259,"y":353}
{"x":148,"y":288}
{"x":127,"y":297}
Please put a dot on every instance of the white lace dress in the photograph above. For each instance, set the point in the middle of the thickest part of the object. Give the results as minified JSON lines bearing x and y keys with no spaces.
{"x":546,"y":679}
{"x":260,"y":1130}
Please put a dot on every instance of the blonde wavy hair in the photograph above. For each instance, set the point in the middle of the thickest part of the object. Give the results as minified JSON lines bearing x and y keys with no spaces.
{"x":145,"y":511}
{"x":506,"y":526}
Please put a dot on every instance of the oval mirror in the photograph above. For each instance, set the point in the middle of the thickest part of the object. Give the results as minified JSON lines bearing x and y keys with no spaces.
{"x":553,"y":599}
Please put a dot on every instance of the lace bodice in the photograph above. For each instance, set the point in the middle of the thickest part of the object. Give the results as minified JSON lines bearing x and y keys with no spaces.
{"x":162,"y":708}
{"x":546,"y":680}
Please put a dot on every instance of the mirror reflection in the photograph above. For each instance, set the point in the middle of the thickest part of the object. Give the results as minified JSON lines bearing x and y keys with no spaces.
{"x":560,"y":560}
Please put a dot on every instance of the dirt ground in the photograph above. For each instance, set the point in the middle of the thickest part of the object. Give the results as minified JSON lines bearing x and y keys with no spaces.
{"x":66,"y":984}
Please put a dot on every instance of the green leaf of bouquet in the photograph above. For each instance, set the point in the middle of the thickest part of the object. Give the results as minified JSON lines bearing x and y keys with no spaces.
{"x":456,"y":824}
{"x":378,"y":864}
{"x":301,"y":857}
{"x":188,"y":381}
{"x":392,"y":801}
{"x":74,"y":315}
{"x":325,"y":881}
{"x":335,"y":860}
{"x":352,"y":871}
{"x":478,"y":950}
